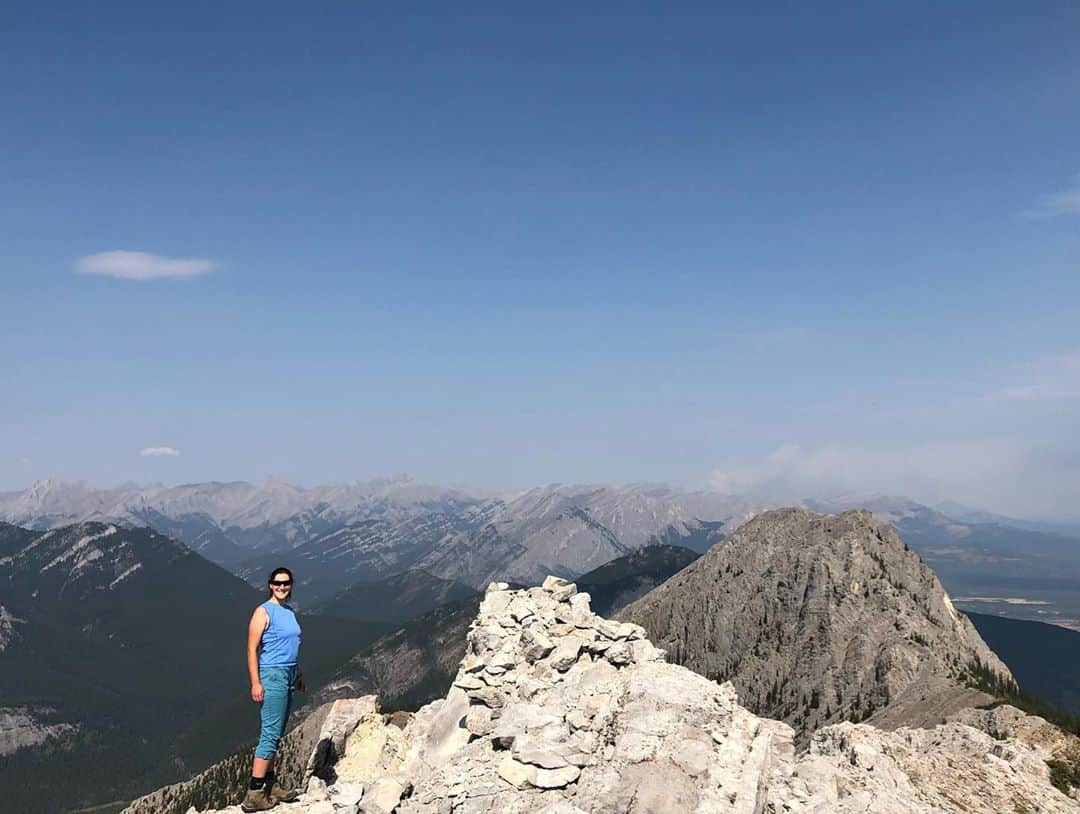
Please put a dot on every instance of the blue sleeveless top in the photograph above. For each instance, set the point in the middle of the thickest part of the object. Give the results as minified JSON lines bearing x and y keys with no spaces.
{"x":280,"y":644}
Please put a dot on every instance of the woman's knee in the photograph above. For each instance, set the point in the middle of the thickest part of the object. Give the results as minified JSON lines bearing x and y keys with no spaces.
{"x":269,"y":738}
{"x":266,"y":751}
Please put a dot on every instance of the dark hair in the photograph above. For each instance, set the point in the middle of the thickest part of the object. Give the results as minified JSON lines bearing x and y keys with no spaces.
{"x":274,"y":573}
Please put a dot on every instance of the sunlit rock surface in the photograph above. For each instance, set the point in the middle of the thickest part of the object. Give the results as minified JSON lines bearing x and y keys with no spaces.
{"x":559,"y":711}
{"x":818,"y":619}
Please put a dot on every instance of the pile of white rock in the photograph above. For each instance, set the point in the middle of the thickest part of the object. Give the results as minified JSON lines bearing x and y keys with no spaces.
{"x":558,"y":711}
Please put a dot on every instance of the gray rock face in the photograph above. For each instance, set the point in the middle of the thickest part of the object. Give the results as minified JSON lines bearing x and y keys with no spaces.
{"x":571,"y":529}
{"x":817,"y":619}
{"x":951,"y":768}
{"x":1054,"y":745}
{"x":636,"y":735}
{"x":24,"y":727}
{"x":9,"y":623}
{"x":226,"y":522}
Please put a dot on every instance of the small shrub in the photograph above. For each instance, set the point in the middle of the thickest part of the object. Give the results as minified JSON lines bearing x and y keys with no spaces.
{"x":1064,"y":775}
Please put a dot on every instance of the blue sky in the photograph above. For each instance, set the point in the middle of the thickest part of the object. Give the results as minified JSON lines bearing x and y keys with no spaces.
{"x":775,"y":249}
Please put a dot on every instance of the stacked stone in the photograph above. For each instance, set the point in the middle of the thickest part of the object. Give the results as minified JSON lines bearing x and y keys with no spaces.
{"x":567,"y":712}
{"x":523,"y":645}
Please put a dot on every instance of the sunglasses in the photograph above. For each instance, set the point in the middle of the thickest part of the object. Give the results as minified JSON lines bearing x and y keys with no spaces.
{"x":284,"y":583}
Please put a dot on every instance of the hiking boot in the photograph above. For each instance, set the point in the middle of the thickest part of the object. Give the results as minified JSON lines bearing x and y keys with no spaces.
{"x":282,"y":794}
{"x":258,"y":800}
{"x":279,"y":792}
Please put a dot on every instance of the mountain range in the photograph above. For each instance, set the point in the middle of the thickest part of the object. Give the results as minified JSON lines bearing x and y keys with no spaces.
{"x":357,"y":532}
{"x":344,"y":534}
{"x":227,"y":521}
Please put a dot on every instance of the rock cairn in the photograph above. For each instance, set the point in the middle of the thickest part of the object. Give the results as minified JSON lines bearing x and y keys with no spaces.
{"x":556,"y":710}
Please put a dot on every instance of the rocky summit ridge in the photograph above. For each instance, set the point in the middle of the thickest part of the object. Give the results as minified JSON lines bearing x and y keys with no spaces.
{"x":818,"y":619}
{"x":556,"y":710}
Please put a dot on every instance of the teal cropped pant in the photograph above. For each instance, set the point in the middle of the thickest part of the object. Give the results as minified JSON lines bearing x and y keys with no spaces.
{"x":278,"y":685}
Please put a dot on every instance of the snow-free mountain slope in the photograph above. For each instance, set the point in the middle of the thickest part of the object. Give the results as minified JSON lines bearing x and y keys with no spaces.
{"x":619,"y":582}
{"x":223,"y":519}
{"x":987,"y":563}
{"x":396,"y":599}
{"x":560,"y":529}
{"x":818,"y":619}
{"x":367,"y":550}
{"x":348,"y":533}
{"x":130,"y":645}
{"x":409,"y":666}
{"x":571,"y":529}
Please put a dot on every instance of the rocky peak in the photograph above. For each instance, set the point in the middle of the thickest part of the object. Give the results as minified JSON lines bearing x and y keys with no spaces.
{"x":556,"y":710}
{"x":817,"y":619}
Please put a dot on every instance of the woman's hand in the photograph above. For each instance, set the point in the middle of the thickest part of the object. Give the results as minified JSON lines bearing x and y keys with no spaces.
{"x":257,"y":692}
{"x":301,"y":685}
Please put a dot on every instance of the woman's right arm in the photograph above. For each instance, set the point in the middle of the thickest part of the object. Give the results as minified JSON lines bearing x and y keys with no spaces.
{"x":259,"y":620}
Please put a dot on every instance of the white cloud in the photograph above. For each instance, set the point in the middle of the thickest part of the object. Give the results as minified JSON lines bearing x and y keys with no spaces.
{"x":1055,"y":379}
{"x":1064,"y":202}
{"x":155,"y":452}
{"x":127,"y":265}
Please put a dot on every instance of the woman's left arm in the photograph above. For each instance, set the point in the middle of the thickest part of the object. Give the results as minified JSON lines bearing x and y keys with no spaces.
{"x":301,"y":684}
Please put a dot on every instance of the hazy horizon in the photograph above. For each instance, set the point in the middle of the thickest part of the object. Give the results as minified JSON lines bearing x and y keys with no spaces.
{"x":475,"y":490}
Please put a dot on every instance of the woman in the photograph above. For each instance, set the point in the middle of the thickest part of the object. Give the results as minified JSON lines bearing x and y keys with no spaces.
{"x":273,"y":645}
